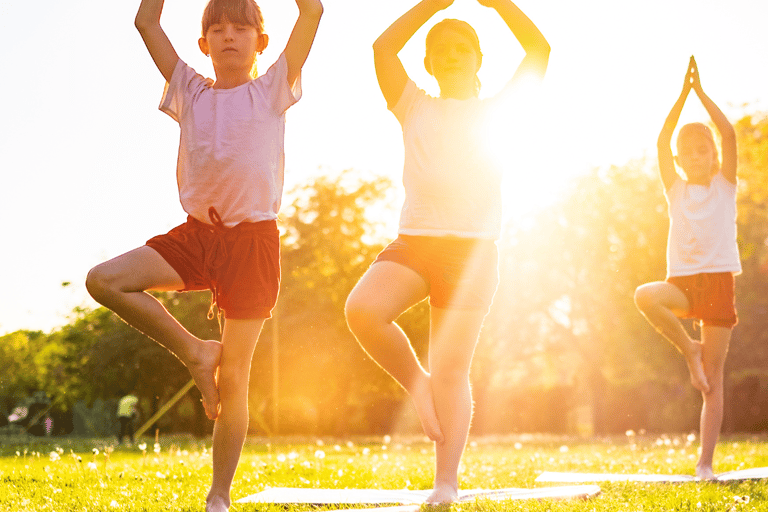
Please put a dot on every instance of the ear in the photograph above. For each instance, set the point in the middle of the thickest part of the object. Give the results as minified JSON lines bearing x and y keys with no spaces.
{"x":203,"y":44}
{"x":428,"y":65}
{"x":262,"y":43}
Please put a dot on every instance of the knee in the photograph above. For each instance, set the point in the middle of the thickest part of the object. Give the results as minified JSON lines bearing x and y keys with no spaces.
{"x":359,"y":314}
{"x":643,"y":298}
{"x":99,"y":284}
{"x":232,"y":383}
{"x":451,"y":376}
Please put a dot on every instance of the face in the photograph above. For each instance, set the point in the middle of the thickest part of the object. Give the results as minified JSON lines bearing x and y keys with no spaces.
{"x":232,"y":45}
{"x":453,"y":59}
{"x":696,"y":155}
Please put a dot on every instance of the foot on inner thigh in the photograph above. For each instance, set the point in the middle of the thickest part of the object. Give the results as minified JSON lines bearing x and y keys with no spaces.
{"x":705,"y":473}
{"x":203,"y":369}
{"x":443,"y":494}
{"x":425,"y":409}
{"x":696,"y":367}
{"x":216,"y":504}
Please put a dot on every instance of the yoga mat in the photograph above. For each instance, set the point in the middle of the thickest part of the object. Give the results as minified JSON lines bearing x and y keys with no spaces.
{"x":287,"y":495}
{"x":553,"y":476}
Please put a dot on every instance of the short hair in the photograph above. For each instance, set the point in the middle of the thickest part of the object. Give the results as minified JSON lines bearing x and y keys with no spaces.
{"x":245,"y":12}
{"x":704,"y":131}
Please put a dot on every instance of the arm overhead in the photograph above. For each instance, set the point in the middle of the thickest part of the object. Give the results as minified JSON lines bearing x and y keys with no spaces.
{"x":302,"y":36}
{"x":536,"y":47}
{"x":389,"y":69}
{"x":727,"y":133}
{"x":664,"y":143}
{"x":157,"y":42}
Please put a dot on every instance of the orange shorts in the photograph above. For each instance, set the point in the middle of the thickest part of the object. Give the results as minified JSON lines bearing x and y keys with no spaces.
{"x":240,"y":265}
{"x":711,"y":297}
{"x":461,"y":273}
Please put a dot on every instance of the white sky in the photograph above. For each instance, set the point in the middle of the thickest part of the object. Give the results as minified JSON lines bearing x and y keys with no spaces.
{"x":88,"y":161}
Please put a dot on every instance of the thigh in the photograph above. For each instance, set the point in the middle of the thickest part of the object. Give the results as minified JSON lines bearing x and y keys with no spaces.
{"x":139,"y":270}
{"x":453,"y":338}
{"x":665,"y":294}
{"x":389,"y":289}
{"x":238,"y":340}
{"x":715,"y":341}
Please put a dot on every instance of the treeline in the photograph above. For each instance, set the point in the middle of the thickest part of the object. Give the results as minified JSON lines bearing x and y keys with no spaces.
{"x":563,"y":349}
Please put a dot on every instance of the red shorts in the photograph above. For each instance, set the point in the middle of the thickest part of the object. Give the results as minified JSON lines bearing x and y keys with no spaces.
{"x":461,"y":273}
{"x":240,"y":265}
{"x":711,"y":297}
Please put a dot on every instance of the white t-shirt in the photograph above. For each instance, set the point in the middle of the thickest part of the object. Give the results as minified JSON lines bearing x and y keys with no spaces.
{"x":702,"y":228}
{"x":231,"y":149}
{"x":452,"y":186}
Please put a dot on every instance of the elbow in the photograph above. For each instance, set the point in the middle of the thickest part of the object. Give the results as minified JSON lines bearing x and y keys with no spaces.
{"x":315,"y":11}
{"x":141,"y":23}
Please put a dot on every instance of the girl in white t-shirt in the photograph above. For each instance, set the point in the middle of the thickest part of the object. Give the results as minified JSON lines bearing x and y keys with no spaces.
{"x":702,"y":256}
{"x":230,"y":178}
{"x":448,"y":226}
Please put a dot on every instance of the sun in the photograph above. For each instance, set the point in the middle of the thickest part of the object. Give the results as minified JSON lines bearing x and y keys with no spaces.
{"x":519,"y":141}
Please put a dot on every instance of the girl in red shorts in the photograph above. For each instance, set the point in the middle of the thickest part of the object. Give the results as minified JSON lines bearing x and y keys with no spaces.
{"x":448,"y":226}
{"x":702,"y":256}
{"x":230,"y":176}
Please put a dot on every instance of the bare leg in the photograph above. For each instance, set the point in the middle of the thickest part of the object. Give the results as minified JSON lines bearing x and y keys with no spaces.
{"x":661,"y":303}
{"x":120,"y":285}
{"x":715,"y":341}
{"x":454,"y":334}
{"x":238,"y":340}
{"x":384,"y":292}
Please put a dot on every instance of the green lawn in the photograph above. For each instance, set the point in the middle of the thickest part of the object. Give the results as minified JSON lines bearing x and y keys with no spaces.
{"x":87,"y":475}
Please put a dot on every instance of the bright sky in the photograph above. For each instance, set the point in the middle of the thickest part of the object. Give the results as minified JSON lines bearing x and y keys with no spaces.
{"x":88,"y":161}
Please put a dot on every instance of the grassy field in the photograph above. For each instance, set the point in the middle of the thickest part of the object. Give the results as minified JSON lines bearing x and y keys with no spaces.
{"x":93,"y":475}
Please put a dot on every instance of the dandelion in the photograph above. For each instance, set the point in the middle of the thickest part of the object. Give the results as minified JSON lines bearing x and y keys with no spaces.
{"x":320,"y":454}
{"x":319,"y":442}
{"x":55,"y":456}
{"x":157,"y":447}
{"x":366,"y":451}
{"x":518,"y":446}
{"x":159,"y":475}
{"x":95,"y":451}
{"x":691,"y":437}
{"x":113,"y":504}
{"x":281,"y":458}
{"x":387,"y":439}
{"x":293,"y":455}
{"x":143,"y":447}
{"x":92,"y":466}
{"x":563,"y":449}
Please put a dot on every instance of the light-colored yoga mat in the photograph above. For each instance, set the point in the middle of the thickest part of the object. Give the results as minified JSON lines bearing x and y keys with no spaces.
{"x":553,"y":476}
{"x":287,"y":495}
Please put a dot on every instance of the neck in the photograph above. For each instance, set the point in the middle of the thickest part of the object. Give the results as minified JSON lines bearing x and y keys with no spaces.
{"x":458,"y":91}
{"x":231,"y":78}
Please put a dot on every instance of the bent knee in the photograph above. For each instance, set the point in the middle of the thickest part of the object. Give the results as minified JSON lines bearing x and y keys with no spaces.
{"x":359,"y":313}
{"x":644,"y":298}
{"x":98,"y":283}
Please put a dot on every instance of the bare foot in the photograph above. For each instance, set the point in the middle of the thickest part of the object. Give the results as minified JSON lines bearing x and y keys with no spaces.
{"x":203,"y":370}
{"x":443,"y":494}
{"x":696,"y":367}
{"x":425,"y":409}
{"x":705,"y":473}
{"x":216,"y":504}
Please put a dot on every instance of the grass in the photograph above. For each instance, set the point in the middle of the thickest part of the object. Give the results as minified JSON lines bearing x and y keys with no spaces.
{"x":92,"y":475}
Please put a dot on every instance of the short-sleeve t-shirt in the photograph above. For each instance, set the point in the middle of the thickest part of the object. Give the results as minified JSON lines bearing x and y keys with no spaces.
{"x":452,"y":186}
{"x":702,"y":228}
{"x":231,"y":153}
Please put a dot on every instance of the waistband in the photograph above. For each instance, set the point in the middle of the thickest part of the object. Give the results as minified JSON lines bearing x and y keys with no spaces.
{"x":216,"y":225}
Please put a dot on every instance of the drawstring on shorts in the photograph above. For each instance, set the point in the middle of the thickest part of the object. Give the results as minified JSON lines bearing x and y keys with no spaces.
{"x":215,"y":258}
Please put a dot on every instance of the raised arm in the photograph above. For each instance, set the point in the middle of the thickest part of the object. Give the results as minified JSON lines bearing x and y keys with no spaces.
{"x":727,"y":133}
{"x":389,"y":69}
{"x":528,"y":35}
{"x":664,"y":143}
{"x":158,"y":44}
{"x":302,"y":36}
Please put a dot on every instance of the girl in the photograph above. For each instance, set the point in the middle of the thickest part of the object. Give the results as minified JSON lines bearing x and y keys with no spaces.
{"x":448,"y":226}
{"x":230,"y":174}
{"x":702,"y":256}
